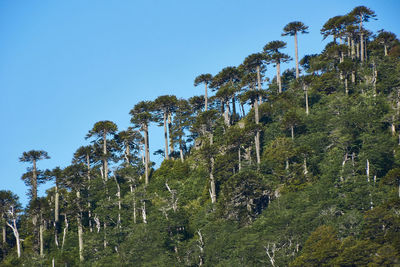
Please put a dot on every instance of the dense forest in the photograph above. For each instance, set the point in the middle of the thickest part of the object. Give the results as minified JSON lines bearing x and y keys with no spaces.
{"x":299,"y":169}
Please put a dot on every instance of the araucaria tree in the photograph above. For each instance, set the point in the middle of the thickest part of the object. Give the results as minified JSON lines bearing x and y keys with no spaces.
{"x":292,"y":29}
{"x":276,"y":57}
{"x":206,"y":79}
{"x":100,"y":131}
{"x":141,"y":118}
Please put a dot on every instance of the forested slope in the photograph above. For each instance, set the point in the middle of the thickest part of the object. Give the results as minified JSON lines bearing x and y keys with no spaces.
{"x":302,"y":169}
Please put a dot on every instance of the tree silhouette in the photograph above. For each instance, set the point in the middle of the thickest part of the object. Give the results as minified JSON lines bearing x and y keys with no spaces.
{"x":292,"y":29}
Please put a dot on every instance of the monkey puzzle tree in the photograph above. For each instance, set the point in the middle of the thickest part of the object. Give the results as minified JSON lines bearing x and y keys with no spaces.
{"x":141,"y":118}
{"x":362,"y":14}
{"x":386,"y":39}
{"x":292,"y":29}
{"x":206,"y":79}
{"x":276,"y":57}
{"x":164,"y":106}
{"x":100,"y":131}
{"x":33,"y":175}
{"x":182,"y":120}
{"x":129,"y":140}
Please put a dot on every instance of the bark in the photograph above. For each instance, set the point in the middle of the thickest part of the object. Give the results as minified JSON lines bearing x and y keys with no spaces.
{"x":292,"y":131}
{"x":41,"y":237}
{"x":201,"y":247}
{"x":348,"y":45}
{"x":305,"y":170}
{"x":213,"y":193}
{"x":353,"y":77}
{"x":147,"y":159}
{"x":80,"y":231}
{"x":181,"y":151}
{"x":119,"y":202}
{"x":14,"y":228}
{"x":226,"y":114}
{"x":278,"y":76}
{"x":346,"y":86}
{"x":206,"y":97}
{"x":362,"y":41}
{"x":358,"y":50}
{"x":65,"y":230}
{"x":257,"y":120}
{"x":166,"y":154}
{"x":385,"y":49}
{"x":171,"y":141}
{"x":296,"y":55}
{"x":353,"y":51}
{"x":306,"y":96}
{"x":4,"y":235}
{"x":239,"y":159}
{"x":105,"y":162}
{"x":144,"y":215}
{"x":367,"y":170}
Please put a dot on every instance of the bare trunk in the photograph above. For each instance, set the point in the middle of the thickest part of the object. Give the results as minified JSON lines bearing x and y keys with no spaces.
{"x":306,"y":95}
{"x":213,"y":193}
{"x":80,"y":238}
{"x":56,"y":215}
{"x":362,"y":42}
{"x":348,"y":46}
{"x":367,"y":170}
{"x":346,"y":86}
{"x":41,"y":237}
{"x":144,"y":215}
{"x":385,"y":49}
{"x":243,"y":112}
{"x":4,"y":235}
{"x":358,"y":50}
{"x":353,"y":51}
{"x":171,"y":141}
{"x":226,"y":114}
{"x":233,"y":114}
{"x":65,"y":230}
{"x":393,"y":127}
{"x":278,"y":76}
{"x":105,"y":162}
{"x":166,"y":154}
{"x":239,"y":159}
{"x":127,"y":153}
{"x":206,"y":98}
{"x":305,"y":170}
{"x":181,"y":151}
{"x":353,"y":77}
{"x":146,"y":147}
{"x":105,"y":234}
{"x":296,"y":53}
{"x":119,"y":202}
{"x":14,"y":228}
{"x":292,"y":131}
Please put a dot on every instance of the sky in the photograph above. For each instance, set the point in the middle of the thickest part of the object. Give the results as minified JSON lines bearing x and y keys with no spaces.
{"x":64,"y":65}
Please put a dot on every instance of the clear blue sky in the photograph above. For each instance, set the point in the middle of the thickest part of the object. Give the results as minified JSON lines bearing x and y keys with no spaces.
{"x":65,"y":65}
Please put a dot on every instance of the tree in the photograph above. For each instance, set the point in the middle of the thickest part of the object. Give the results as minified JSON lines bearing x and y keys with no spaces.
{"x":182,"y":120}
{"x":33,"y":156}
{"x":164,"y":106}
{"x":206,"y":79}
{"x":9,"y":209}
{"x":129,"y":140}
{"x":292,"y":29}
{"x":362,"y":14}
{"x":100,"y":131}
{"x":386,"y":39}
{"x":276,"y":57}
{"x":141,"y":118}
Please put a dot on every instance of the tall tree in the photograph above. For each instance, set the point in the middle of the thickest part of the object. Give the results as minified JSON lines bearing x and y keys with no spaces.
{"x":276,"y":57}
{"x":33,"y":156}
{"x":292,"y":29}
{"x":141,"y":118}
{"x":129,"y":140}
{"x":164,"y":106}
{"x":362,"y":14}
{"x":206,"y":79}
{"x":100,"y":131}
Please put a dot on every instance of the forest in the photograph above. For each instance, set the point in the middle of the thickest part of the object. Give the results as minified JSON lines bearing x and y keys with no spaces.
{"x":299,"y":169}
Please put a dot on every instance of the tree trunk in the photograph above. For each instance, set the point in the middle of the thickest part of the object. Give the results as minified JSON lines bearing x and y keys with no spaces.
{"x":166,"y":154}
{"x":306,"y":95}
{"x":213,"y":193}
{"x":296,"y":55}
{"x":181,"y":150}
{"x":147,"y":160}
{"x":105,"y":162}
{"x":56,"y":215}
{"x":358,"y":50}
{"x":233,"y":114}
{"x":305,"y":170}
{"x":239,"y":159}
{"x":292,"y":131}
{"x":171,"y":141}
{"x":353,"y":51}
{"x":65,"y":230}
{"x":385,"y":49}
{"x":278,"y":76}
{"x":119,"y":202}
{"x":367,"y":170}
{"x":362,"y":42}
{"x":206,"y":98}
{"x":226,"y":114}
{"x":144,"y":215}
{"x":14,"y":228}
{"x":346,"y":86}
{"x":4,"y":235}
{"x":80,"y":238}
{"x":41,"y":237}
{"x":257,"y":137}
